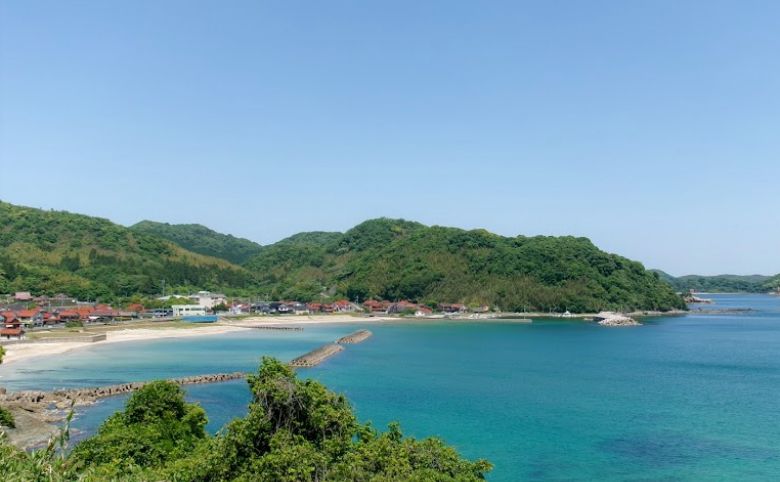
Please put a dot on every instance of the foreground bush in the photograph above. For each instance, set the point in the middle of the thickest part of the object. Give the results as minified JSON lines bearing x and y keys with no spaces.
{"x":295,"y":430}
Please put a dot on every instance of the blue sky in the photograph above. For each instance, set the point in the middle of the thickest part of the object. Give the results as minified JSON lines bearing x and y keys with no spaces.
{"x":652,"y":128}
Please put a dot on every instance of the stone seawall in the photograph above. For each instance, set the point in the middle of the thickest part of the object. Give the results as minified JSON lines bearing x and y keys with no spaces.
{"x":84,"y":396}
{"x":315,"y":357}
{"x":356,"y":337}
{"x":269,"y":327}
{"x":58,"y":339}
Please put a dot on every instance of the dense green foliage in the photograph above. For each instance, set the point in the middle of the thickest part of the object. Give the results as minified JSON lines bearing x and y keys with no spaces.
{"x":773,"y":283}
{"x":724,"y":283}
{"x":6,"y":418}
{"x":49,"y":252}
{"x":200,"y":239}
{"x":396,"y":259}
{"x":156,"y":427}
{"x":296,"y":430}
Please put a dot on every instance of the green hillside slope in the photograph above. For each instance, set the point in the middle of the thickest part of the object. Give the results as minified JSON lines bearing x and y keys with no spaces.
{"x":396,"y":259}
{"x":200,"y":239}
{"x":88,"y":257}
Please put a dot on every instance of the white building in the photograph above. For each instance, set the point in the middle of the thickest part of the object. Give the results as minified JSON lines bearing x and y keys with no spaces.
{"x":207,"y":300}
{"x":188,"y":310}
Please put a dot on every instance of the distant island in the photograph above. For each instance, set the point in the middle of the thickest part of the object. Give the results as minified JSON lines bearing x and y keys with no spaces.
{"x":50,"y":252}
{"x":724,"y":283}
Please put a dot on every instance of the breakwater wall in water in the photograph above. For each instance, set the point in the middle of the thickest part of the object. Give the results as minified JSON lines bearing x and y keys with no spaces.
{"x":84,"y":396}
{"x":315,"y":357}
{"x":58,"y":339}
{"x":355,"y":337}
{"x":269,"y":327}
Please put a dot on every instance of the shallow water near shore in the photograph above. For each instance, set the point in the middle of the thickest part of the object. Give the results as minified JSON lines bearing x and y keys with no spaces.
{"x":680,"y":398}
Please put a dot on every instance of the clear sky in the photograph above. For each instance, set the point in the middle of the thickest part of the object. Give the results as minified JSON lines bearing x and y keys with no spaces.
{"x":651,"y":127}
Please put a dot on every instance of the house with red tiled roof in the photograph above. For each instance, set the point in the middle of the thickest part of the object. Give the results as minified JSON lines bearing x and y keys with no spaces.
{"x":30,"y":318}
{"x":401,"y":307}
{"x":11,"y":326}
{"x":84,"y":312}
{"x":67,"y":315}
{"x":342,"y":306}
{"x":375,"y":306}
{"x":23,"y":296}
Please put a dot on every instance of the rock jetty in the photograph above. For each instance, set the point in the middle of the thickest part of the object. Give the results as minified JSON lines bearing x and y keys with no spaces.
{"x":355,"y":337}
{"x":315,"y":357}
{"x":609,"y":318}
{"x":85,"y":396}
{"x":38,"y":413}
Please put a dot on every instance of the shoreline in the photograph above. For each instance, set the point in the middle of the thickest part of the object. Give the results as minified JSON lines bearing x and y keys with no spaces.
{"x":31,"y":349}
{"x":25,"y":351}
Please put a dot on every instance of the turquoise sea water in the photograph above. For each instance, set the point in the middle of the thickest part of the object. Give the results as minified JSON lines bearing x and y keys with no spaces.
{"x":680,"y":398}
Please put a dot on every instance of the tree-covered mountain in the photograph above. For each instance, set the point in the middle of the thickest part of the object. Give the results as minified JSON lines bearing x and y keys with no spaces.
{"x":397,"y":259}
{"x":200,"y":239}
{"x":88,"y":257}
{"x":724,"y":283}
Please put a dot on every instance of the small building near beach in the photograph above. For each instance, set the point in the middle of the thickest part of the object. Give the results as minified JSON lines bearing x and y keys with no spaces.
{"x":30,"y":318}
{"x":188,"y":310}
{"x":208,"y":300}
{"x":11,"y":326}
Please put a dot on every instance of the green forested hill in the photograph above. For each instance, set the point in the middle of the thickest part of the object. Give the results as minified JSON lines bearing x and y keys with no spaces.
{"x":396,"y":259}
{"x":773,"y":283}
{"x":55,"y":251}
{"x":724,"y":283}
{"x":200,"y":239}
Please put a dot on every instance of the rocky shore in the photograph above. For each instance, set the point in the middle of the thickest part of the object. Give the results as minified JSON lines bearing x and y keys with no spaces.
{"x":609,"y":318}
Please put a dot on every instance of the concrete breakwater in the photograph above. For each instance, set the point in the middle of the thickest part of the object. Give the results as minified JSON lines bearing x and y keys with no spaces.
{"x":89,"y":394}
{"x":315,"y":357}
{"x":269,"y":327}
{"x":355,"y":337}
{"x":83,"y":396}
{"x":58,"y":339}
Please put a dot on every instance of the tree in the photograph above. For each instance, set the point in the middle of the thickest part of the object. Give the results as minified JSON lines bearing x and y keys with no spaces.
{"x":156,"y":427}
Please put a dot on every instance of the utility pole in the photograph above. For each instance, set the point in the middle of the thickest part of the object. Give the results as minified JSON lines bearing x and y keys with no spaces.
{"x":163,"y":287}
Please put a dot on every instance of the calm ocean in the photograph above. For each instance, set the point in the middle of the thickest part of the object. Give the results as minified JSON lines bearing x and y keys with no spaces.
{"x":681,"y":398}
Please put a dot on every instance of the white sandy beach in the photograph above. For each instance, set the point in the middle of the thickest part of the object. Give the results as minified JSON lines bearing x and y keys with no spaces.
{"x":24,"y":351}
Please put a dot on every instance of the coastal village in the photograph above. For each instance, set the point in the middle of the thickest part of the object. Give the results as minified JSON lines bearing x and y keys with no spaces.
{"x":23,"y":312}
